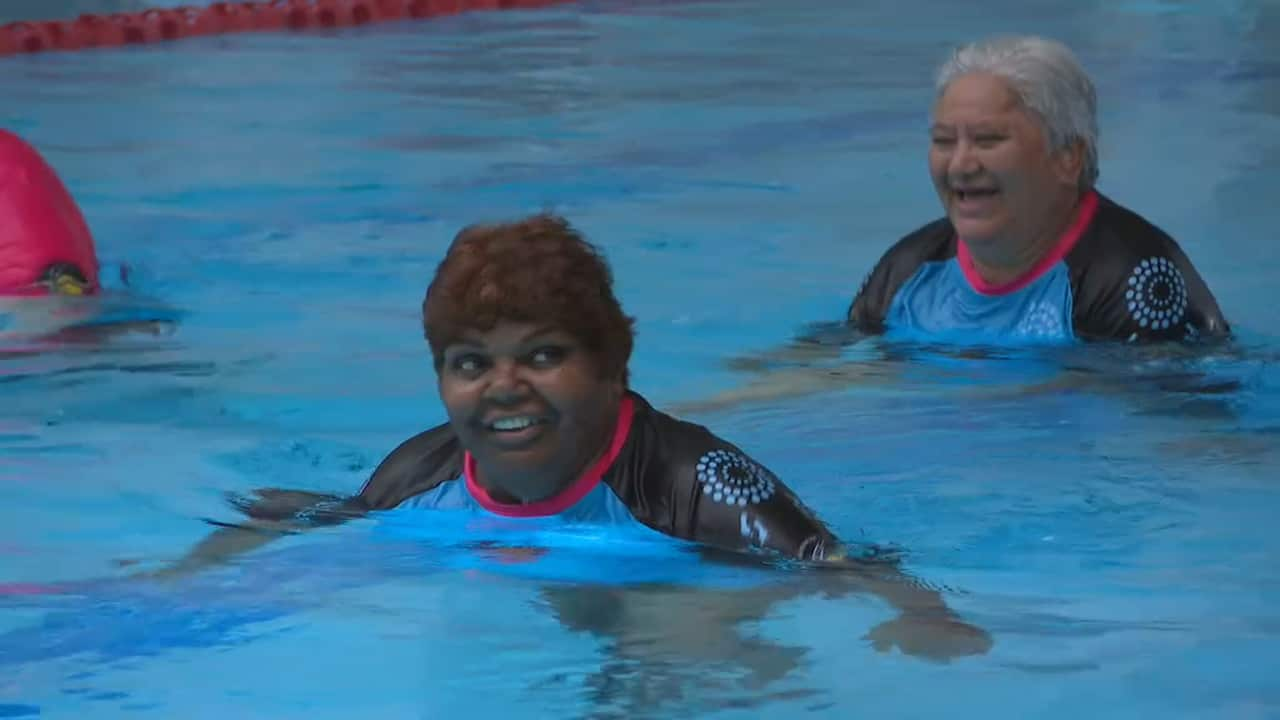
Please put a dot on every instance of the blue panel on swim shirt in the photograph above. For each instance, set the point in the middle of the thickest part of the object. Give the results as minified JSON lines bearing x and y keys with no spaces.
{"x":600,"y":506}
{"x":598,"y":517}
{"x":596,"y":540}
{"x":939,"y":301}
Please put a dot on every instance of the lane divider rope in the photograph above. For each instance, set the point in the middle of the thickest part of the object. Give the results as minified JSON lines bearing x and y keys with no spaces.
{"x":165,"y":24}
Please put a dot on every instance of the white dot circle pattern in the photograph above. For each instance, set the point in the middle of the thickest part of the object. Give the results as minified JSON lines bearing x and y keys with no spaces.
{"x":733,"y":479}
{"x":1157,"y":294}
{"x":1040,"y":321}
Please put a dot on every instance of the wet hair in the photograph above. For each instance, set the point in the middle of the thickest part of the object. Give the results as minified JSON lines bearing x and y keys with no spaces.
{"x":536,"y":270}
{"x":1048,"y":81}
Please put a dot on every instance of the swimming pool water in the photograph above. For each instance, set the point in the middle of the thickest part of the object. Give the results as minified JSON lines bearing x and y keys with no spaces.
{"x":743,"y":163}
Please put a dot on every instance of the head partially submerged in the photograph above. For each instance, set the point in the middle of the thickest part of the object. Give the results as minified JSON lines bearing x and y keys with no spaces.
{"x":531,"y":349}
{"x":45,"y":244}
{"x":1014,"y":141}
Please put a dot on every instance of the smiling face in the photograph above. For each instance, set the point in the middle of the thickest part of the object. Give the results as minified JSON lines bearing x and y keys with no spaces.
{"x":530,"y":404}
{"x":1002,"y":187}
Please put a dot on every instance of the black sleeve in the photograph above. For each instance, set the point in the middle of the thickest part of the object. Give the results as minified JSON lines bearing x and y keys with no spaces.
{"x":685,"y":481}
{"x":741,"y":504}
{"x":272,"y":513}
{"x":299,"y":508}
{"x":1133,"y":282}
{"x":416,"y":466}
{"x":870,"y":306}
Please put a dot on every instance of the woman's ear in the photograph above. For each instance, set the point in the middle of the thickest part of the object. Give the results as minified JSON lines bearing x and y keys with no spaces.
{"x":1068,"y":163}
{"x":618,"y":385}
{"x":65,"y":279}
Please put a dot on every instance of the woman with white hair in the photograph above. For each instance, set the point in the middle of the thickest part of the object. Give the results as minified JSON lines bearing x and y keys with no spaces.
{"x":1029,"y":249}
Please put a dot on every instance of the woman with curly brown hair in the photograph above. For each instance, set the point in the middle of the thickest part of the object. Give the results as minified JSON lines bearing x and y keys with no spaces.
{"x":531,"y":348}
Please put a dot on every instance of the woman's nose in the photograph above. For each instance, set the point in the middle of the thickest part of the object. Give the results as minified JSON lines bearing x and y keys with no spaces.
{"x":505,"y":382}
{"x":963,"y":161}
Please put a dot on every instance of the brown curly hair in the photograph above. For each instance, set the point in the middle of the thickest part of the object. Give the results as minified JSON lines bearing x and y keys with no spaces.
{"x":536,"y":270}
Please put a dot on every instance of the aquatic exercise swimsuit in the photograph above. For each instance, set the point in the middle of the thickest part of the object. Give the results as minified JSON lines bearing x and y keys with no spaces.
{"x":659,"y":474}
{"x":669,"y":476}
{"x":1112,"y":276}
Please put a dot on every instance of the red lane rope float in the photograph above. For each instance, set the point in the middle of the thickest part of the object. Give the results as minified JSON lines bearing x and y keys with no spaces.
{"x":163,"y":24}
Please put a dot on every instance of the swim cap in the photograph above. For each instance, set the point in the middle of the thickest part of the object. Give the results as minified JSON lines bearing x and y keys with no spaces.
{"x":45,"y":245}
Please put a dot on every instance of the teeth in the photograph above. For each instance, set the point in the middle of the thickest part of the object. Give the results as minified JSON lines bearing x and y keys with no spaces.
{"x":512,"y":423}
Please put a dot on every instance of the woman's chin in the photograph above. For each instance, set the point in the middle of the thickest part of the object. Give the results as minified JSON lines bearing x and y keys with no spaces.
{"x":975,"y":233}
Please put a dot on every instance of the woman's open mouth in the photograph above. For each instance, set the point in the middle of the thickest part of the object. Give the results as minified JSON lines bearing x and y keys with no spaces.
{"x":973,"y":200}
{"x":976,"y":193}
{"x":516,"y":430}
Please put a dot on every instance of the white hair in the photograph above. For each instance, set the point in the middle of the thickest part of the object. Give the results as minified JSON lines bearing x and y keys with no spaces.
{"x":1048,"y":81}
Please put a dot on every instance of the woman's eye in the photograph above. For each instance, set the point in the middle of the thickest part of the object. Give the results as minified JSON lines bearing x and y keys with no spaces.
{"x":988,"y":140}
{"x":547,"y":356}
{"x":468,"y":364}
{"x":943,"y":141}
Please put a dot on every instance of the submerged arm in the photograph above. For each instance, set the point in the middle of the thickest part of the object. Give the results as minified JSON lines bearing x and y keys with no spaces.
{"x":741,"y":505}
{"x":925,"y":626}
{"x":415,"y":465}
{"x":274,"y":513}
{"x":805,"y":366}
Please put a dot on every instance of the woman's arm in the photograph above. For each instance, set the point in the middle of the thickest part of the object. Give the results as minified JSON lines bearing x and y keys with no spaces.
{"x":272,"y":513}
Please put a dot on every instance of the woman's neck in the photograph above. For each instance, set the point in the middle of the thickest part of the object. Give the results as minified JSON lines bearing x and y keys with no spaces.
{"x":1001,"y":263}
{"x":534,"y":489}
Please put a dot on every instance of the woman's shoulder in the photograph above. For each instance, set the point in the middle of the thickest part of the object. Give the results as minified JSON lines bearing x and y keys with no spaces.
{"x":417,"y":465}
{"x":1120,"y":231}
{"x":674,"y":435}
{"x":675,"y":452}
{"x":697,"y":485}
{"x":1133,"y":281}
{"x":934,"y":240}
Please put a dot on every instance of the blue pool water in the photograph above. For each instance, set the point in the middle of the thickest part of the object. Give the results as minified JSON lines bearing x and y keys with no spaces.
{"x":1107,"y":514}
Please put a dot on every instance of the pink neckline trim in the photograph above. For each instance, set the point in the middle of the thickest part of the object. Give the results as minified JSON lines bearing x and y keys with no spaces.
{"x":572,"y":494}
{"x":1084,"y":216}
